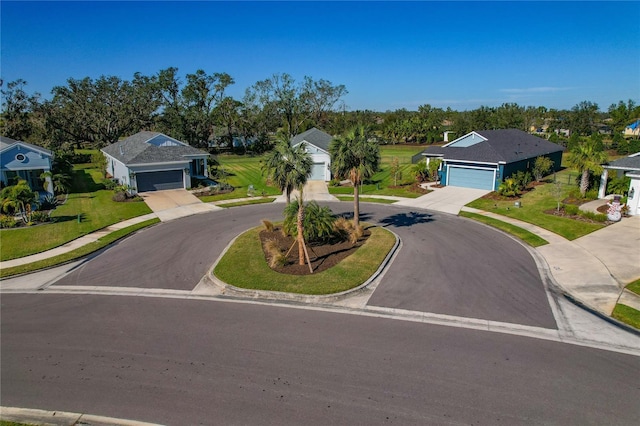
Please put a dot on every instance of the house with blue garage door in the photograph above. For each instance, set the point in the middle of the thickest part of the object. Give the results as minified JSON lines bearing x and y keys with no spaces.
{"x":483,"y":159}
{"x":316,"y":143}
{"x":152,"y":161}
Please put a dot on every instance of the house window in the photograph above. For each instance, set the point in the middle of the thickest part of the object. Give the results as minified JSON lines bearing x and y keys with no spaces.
{"x":20,"y":157}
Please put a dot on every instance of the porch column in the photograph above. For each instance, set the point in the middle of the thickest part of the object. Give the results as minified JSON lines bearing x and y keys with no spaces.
{"x":48,"y":184}
{"x":603,"y":183}
{"x":206,"y":169}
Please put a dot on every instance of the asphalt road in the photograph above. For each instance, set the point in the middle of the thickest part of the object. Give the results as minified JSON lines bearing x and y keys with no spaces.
{"x":447,"y":265}
{"x":187,"y":362}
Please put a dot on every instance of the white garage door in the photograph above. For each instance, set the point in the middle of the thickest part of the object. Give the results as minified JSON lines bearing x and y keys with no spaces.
{"x":317,"y":171}
{"x":157,"y":181}
{"x":471,"y":178}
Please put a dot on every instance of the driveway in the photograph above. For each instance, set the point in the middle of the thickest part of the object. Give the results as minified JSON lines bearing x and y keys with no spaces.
{"x":316,"y":190}
{"x":449,"y":199}
{"x":175,"y":203}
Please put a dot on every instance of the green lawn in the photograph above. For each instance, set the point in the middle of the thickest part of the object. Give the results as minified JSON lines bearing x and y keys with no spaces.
{"x":380,"y":183}
{"x":365,"y":199}
{"x":634,"y":287}
{"x":243,"y":170}
{"x":79,"y":252}
{"x":256,"y":274}
{"x":533,"y":207}
{"x":627,"y":315}
{"x":87,"y":199}
{"x":526,"y":236}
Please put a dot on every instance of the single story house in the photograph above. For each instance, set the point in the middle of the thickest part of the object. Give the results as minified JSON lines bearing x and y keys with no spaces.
{"x":630,"y":167}
{"x":482,"y":159}
{"x":316,"y":143}
{"x":152,"y":161}
{"x":22,"y":160}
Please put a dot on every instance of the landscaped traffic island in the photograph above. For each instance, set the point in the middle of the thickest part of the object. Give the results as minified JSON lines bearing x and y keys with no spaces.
{"x":336,"y":267}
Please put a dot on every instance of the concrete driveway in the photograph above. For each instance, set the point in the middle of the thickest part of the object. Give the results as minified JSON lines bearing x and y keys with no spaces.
{"x":316,"y":190}
{"x":175,"y":203}
{"x":449,"y":199}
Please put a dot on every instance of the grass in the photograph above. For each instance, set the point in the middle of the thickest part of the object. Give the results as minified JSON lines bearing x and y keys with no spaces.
{"x":242,"y":171}
{"x":532,"y":239}
{"x":261,"y":200}
{"x":8,"y":423}
{"x":256,"y":274}
{"x":627,"y":315}
{"x":382,"y":183}
{"x":634,"y":287}
{"x":88,"y":200}
{"x":79,"y":252}
{"x":366,"y":199}
{"x":533,"y":206}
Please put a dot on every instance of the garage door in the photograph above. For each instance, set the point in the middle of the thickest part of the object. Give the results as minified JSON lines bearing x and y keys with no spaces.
{"x":156,"y":181}
{"x":317,"y":171}
{"x":471,"y":178}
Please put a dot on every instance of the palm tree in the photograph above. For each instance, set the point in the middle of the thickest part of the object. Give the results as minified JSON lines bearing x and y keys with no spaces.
{"x":586,"y":158}
{"x":357,"y":158}
{"x":290,"y":167}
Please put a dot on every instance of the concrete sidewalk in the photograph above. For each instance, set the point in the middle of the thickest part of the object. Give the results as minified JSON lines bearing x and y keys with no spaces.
{"x":316,"y":190}
{"x":592,"y":269}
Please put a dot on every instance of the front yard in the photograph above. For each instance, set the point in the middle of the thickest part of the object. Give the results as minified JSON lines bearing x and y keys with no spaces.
{"x":534,"y":205}
{"x":88,"y":208}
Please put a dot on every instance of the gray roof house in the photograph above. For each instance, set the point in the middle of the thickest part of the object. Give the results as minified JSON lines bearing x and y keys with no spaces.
{"x":25,"y":161}
{"x":482,"y":159}
{"x":152,"y":161}
{"x":627,"y":166}
{"x":316,"y":143}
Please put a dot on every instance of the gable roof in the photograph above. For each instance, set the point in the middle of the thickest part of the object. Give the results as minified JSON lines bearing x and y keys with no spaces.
{"x":500,"y":146}
{"x":634,"y":125}
{"x":151,"y":147}
{"x":314,"y":137}
{"x":6,"y":143}
{"x":632,"y":162}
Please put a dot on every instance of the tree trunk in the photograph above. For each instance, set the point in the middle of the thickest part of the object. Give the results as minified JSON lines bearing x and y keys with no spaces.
{"x":584,"y":182}
{"x":300,"y":232}
{"x":356,"y":205}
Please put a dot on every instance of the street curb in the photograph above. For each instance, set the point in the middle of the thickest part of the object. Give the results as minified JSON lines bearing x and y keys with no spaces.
{"x":233,"y":291}
{"x":558,"y":288}
{"x":63,"y":418}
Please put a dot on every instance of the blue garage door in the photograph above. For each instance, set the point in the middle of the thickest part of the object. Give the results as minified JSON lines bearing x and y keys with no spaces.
{"x":157,"y":181}
{"x":471,"y":178}
{"x":317,"y":171}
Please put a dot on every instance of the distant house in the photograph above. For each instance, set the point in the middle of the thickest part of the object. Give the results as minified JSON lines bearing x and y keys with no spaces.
{"x":484,"y":158}
{"x":632,"y":130}
{"x":22,"y":160}
{"x":316,"y":143}
{"x":152,"y":161}
{"x":627,"y":166}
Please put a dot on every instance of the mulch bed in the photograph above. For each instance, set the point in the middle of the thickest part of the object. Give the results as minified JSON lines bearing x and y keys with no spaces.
{"x":323,"y":255}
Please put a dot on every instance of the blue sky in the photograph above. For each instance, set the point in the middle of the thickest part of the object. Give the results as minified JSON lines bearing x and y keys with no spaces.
{"x":389,"y":55}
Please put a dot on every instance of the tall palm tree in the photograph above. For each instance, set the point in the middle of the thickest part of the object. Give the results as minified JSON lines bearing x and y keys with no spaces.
{"x":587,"y":158}
{"x":290,"y":167}
{"x":355,"y":157}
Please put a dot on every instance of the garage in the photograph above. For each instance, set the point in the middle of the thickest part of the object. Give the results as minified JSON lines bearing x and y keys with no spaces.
{"x":471,"y":177}
{"x":317,"y":171}
{"x":157,"y":181}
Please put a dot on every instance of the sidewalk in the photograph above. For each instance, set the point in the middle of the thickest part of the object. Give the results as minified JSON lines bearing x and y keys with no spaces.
{"x":592,"y":269}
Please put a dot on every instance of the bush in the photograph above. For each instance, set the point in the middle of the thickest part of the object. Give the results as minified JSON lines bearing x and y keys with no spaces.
{"x":317,"y":224}
{"x":421,"y":171}
{"x":110,"y":184}
{"x":597,"y":217}
{"x":508,"y":188}
{"x":40,"y":216}
{"x":334,"y":182}
{"x":49,"y":202}
{"x":268,"y":225}
{"x":522,"y":179}
{"x":541,"y":167}
{"x":571,"y":209}
{"x":7,"y":222}
{"x":619,"y":185}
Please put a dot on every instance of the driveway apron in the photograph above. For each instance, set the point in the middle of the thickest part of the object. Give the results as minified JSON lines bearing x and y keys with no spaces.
{"x":175,"y":203}
{"x":449,"y":199}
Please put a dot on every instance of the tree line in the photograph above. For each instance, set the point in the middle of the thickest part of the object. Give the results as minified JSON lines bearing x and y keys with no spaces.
{"x":198,"y":110}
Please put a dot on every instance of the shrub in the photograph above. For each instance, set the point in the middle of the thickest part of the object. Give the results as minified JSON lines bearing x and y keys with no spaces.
{"x":571,"y":209}
{"x":49,"y":202}
{"x":597,"y":217}
{"x":541,"y":167}
{"x":39,"y":216}
{"x":275,"y":255}
{"x":522,"y":179}
{"x":619,"y":185}
{"x":508,"y":188}
{"x":334,"y":182}
{"x":434,"y":165}
{"x":16,"y":197}
{"x":317,"y":224}
{"x":110,"y":184}
{"x":8,"y":222}
{"x":268,"y":225}
{"x":355,"y":234}
{"x":421,"y":171}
